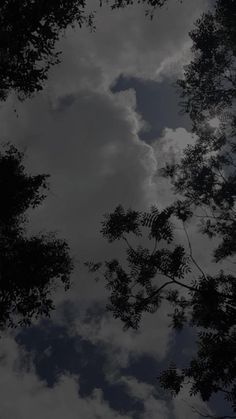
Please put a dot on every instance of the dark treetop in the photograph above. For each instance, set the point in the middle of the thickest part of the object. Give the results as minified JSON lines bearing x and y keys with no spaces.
{"x":30,"y":266}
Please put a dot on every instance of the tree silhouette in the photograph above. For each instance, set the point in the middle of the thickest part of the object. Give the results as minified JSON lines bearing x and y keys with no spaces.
{"x":208,"y":86}
{"x":28,"y":34}
{"x":205,"y":178}
{"x":206,"y":175}
{"x":30,"y":266}
{"x":164,"y":271}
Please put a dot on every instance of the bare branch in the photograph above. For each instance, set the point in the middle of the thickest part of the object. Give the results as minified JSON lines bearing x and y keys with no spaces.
{"x":207,"y":414}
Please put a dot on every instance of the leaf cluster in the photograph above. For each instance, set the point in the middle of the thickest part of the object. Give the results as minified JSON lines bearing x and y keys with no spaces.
{"x":29,"y":30}
{"x":30,"y":267}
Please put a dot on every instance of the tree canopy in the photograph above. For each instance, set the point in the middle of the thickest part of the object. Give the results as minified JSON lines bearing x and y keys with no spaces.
{"x":166,"y":271}
{"x":30,"y":266}
{"x":205,"y":180}
{"x":206,"y":175}
{"x":28,"y":34}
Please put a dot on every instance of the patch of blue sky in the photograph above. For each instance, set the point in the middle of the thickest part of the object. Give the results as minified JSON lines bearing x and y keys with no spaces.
{"x":55,"y":352}
{"x":157,"y":102}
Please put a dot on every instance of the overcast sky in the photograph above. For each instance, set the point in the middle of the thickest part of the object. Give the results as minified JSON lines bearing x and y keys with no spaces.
{"x":106,"y":121}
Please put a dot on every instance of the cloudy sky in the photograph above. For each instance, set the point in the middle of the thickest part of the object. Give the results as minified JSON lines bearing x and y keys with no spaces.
{"x":106,"y":121}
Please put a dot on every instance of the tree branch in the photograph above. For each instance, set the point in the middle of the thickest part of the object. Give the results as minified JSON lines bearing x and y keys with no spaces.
{"x":191,"y":253}
{"x":208,"y":415}
{"x":156,"y":292}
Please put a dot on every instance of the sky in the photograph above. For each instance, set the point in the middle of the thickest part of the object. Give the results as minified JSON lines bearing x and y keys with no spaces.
{"x":106,"y":121}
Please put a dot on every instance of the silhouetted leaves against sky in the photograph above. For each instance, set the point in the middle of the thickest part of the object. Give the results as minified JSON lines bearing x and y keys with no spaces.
{"x":206,"y":175}
{"x":30,"y":267}
{"x":28,"y":34}
{"x":157,"y":273}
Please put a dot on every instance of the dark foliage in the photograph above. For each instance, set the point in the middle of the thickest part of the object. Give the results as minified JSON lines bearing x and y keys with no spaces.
{"x":29,"y":30}
{"x":152,"y":5}
{"x":30,"y":267}
{"x":120,"y":222}
{"x":208,"y":87}
{"x":206,"y":178}
{"x":19,"y":191}
{"x":206,"y":175}
{"x":160,"y":272}
{"x":135,"y":288}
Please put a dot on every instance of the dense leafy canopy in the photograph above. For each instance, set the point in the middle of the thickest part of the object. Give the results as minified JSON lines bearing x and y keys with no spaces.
{"x":208,"y":86}
{"x":29,"y":30}
{"x":30,"y":266}
{"x":206,"y":175}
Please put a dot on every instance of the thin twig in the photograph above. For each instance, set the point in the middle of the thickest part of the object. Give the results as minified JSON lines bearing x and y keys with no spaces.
{"x":207,"y":415}
{"x":156,"y":292}
{"x":191,"y":253}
